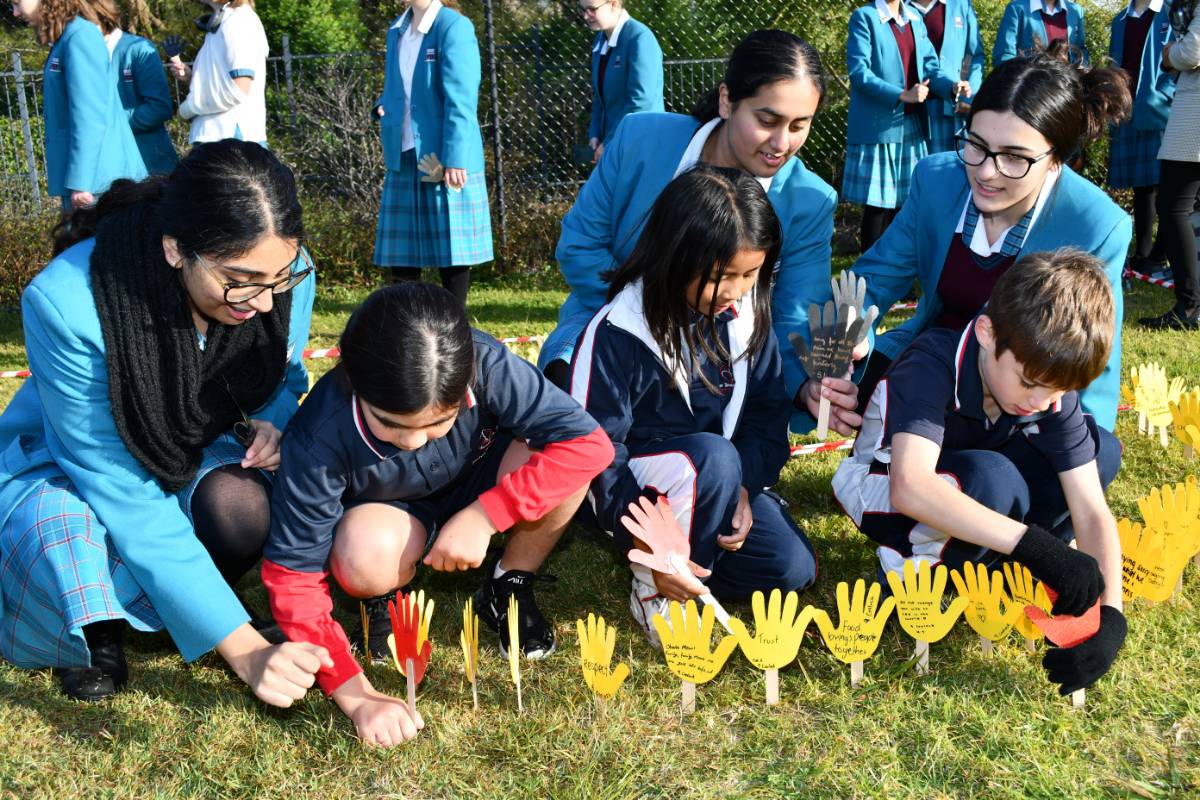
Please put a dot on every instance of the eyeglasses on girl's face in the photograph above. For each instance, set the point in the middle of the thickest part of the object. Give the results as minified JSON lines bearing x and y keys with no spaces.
{"x":241,"y":292}
{"x":586,"y":10}
{"x":1010,"y":165}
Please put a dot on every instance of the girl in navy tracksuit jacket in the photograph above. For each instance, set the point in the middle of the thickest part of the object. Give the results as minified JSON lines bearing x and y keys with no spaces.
{"x":682,"y":370}
{"x":428,"y":438}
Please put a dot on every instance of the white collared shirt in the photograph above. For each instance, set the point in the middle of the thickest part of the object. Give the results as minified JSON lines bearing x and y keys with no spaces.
{"x":608,"y":44}
{"x":1155,"y":6}
{"x":115,"y":34}
{"x":979,"y":243}
{"x":924,"y":9}
{"x":408,"y":51}
{"x":1036,"y":5}
{"x":902,"y":16}
{"x":695,"y":149}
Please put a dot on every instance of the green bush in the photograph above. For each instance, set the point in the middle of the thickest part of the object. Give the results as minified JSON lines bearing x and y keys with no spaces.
{"x":314,"y":26}
{"x":25,"y":248}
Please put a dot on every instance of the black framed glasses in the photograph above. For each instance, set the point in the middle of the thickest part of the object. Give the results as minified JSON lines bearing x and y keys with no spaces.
{"x":585,"y":10}
{"x":237,"y":292}
{"x":1010,"y":165}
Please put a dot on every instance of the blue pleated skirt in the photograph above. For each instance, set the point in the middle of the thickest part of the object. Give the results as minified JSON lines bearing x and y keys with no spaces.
{"x":879,"y":174}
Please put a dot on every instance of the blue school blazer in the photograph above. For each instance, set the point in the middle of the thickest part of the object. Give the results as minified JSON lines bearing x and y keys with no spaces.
{"x":88,"y":141}
{"x":1078,"y":214}
{"x":61,"y":420}
{"x":142,"y":85}
{"x":1156,"y":87}
{"x":445,"y":87}
{"x":1021,"y":25}
{"x":633,"y":80}
{"x":877,"y":76}
{"x":961,"y":42}
{"x":601,"y":229}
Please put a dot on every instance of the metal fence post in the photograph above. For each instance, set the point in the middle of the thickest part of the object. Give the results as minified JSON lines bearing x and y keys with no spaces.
{"x":497,"y":130}
{"x":27,"y":133}
{"x":539,"y":91}
{"x":287,"y":80}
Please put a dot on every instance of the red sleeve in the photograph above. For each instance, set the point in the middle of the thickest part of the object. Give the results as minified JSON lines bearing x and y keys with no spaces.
{"x":303,"y":607}
{"x":550,"y":476}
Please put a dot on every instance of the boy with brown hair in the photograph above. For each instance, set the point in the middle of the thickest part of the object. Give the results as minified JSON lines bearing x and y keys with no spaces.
{"x":975,"y":448}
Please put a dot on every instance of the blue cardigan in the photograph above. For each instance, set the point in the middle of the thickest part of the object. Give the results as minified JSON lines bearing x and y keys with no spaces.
{"x":961,"y":44}
{"x":877,"y":75}
{"x":1156,"y":87}
{"x":1021,"y":24}
{"x":633,"y":80}
{"x":1078,"y":214}
{"x":88,"y":141}
{"x":60,"y":421}
{"x":445,"y":87}
{"x":142,"y":84}
{"x":600,"y":230}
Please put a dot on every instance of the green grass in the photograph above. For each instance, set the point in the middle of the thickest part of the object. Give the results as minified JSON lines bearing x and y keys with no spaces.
{"x":976,"y":726}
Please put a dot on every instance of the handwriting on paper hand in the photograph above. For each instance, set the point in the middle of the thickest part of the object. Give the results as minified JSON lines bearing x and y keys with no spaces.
{"x":860,"y":622}
{"x":596,"y":644}
{"x":686,"y":641}
{"x":778,"y":630}
{"x":919,"y":601}
{"x":990,"y":612}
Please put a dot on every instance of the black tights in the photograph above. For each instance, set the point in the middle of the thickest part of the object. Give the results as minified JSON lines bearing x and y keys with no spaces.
{"x":875,"y":221}
{"x":456,"y":280}
{"x":1178,"y":187}
{"x":231,"y":512}
{"x":1146,"y":244}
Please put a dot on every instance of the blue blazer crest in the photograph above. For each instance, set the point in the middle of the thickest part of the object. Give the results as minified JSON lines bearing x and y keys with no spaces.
{"x":633,"y":80}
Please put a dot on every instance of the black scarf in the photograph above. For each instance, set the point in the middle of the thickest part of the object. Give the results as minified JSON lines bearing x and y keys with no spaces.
{"x":170,"y":399}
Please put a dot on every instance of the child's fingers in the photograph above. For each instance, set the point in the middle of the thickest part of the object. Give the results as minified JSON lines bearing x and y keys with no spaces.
{"x":309,"y":657}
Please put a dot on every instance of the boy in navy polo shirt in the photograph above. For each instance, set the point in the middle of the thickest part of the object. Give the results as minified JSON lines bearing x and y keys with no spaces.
{"x":975,"y":448}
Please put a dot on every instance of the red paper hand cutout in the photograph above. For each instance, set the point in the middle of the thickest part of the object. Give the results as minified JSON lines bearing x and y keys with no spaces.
{"x":410,"y":635}
{"x":1063,"y":630}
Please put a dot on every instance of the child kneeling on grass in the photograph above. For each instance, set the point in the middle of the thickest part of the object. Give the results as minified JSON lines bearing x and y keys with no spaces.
{"x":426,"y":440}
{"x":975,"y":448}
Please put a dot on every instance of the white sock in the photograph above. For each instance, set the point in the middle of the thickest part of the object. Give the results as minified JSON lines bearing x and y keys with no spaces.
{"x":499,"y":570}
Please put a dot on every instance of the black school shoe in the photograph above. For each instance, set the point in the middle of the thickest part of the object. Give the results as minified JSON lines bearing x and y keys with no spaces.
{"x":379,"y":627}
{"x":109,"y":671}
{"x":533,"y":631}
{"x":1173,"y":320}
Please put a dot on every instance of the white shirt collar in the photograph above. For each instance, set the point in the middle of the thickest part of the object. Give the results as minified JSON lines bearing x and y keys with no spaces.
{"x":979,"y":243}
{"x":604,"y":45}
{"x":115,"y":36}
{"x":903,"y":14}
{"x":925,"y":9}
{"x":695,"y":149}
{"x":1155,"y":6}
{"x":1036,"y":5}
{"x":426,"y":21}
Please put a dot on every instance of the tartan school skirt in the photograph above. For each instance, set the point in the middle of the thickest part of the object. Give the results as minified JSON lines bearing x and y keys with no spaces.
{"x":1132,"y":156}
{"x":427,"y":225}
{"x":60,"y":571}
{"x":879,"y":174}
{"x":942,"y":127}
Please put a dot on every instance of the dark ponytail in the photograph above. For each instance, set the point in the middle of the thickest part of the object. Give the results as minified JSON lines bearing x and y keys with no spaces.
{"x":81,"y":223}
{"x":409,"y":347}
{"x":762,"y":58}
{"x":1069,"y":104}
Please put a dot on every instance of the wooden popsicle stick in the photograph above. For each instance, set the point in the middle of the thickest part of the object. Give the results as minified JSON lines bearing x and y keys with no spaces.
{"x":1162,"y":437}
{"x":687,"y":703}
{"x":1077,"y":698}
{"x":1031,"y":645}
{"x":1143,"y":423}
{"x":985,"y":644}
{"x":922,"y":654}
{"x":410,"y":683}
{"x":366,"y":628}
{"x":856,"y":673}
{"x":520,"y":700}
{"x":475,"y":694}
{"x":823,"y":419}
{"x":771,"y":677}
{"x":1177,"y":595}
{"x":1189,"y":452}
{"x":1196,"y":561}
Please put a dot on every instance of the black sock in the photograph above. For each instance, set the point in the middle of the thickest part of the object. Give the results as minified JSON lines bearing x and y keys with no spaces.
{"x":456,"y":280}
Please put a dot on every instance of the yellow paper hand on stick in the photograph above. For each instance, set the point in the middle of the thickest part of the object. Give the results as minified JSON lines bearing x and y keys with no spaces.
{"x":596,"y":644}
{"x":778,"y":630}
{"x":1174,"y":512}
{"x":1025,"y":592}
{"x":860,"y":622}
{"x":514,"y":648}
{"x":686,"y":641}
{"x":919,"y":601}
{"x":469,"y":639}
{"x":989,"y":612}
{"x":1148,"y":570}
{"x":1152,"y":395}
{"x":1185,"y":419}
{"x":431,"y":168}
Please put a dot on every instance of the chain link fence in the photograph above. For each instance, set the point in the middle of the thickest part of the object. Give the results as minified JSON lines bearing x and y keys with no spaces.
{"x":534,"y":104}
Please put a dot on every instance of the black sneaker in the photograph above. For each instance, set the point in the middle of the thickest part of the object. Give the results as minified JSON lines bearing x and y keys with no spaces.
{"x":491,"y":604}
{"x":109,"y":671}
{"x":379,"y":627}
{"x":1172,"y":320}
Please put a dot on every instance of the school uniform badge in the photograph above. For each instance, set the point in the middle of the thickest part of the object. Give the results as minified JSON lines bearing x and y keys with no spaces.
{"x":55,"y":64}
{"x":431,"y":54}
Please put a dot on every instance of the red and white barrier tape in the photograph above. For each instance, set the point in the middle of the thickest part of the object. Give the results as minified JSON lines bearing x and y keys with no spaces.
{"x":1139,"y":276}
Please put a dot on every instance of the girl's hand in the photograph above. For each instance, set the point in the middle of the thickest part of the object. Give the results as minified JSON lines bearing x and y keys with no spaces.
{"x":379,"y":111}
{"x":379,"y":719}
{"x":263,"y":452}
{"x":843,"y":400}
{"x":82,"y":199}
{"x":1166,"y":57}
{"x":462,"y":542}
{"x":742,"y":520}
{"x":962,"y":89}
{"x":599,"y":152}
{"x":682,"y":586}
{"x":279,"y":675}
{"x":455,"y":178}
{"x":180,"y":70}
{"x":916,"y":93}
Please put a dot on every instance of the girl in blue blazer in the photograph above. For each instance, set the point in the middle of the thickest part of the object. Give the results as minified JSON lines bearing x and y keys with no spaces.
{"x":1006,"y":191}
{"x":1138,"y":33}
{"x":953,"y":30}
{"x":731,"y":127}
{"x":166,"y":357}
{"x":434,"y":210}
{"x":142,"y":85}
{"x":627,"y":68}
{"x":893,"y":67}
{"x":1031,"y":24}
{"x":88,"y":140}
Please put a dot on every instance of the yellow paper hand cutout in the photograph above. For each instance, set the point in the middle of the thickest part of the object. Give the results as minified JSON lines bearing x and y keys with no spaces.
{"x":1174,"y":512}
{"x":469,"y":638}
{"x":596,"y":644}
{"x":514,"y":640}
{"x":1185,"y":417}
{"x":919,"y":601}
{"x":778,"y":630}
{"x":1147,"y":570}
{"x":860,"y":622}
{"x":686,"y":640}
{"x":1025,"y":592}
{"x":990,"y":612}
{"x":1152,"y":396}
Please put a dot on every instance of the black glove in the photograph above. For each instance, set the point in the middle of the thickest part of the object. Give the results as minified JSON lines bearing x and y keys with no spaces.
{"x":1080,"y":666}
{"x":172,"y":46}
{"x":1074,"y":575}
